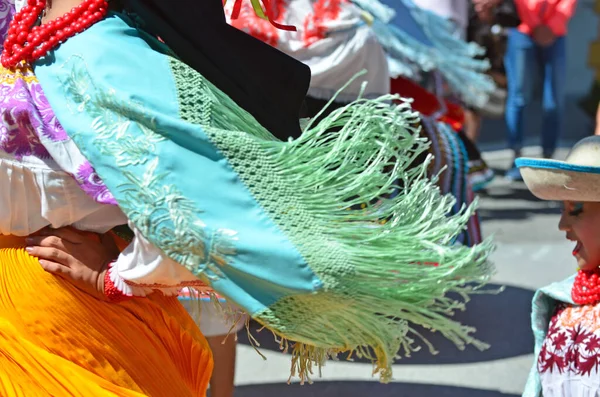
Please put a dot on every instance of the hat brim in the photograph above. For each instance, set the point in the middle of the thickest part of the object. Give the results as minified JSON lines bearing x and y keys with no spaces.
{"x":560,"y":181}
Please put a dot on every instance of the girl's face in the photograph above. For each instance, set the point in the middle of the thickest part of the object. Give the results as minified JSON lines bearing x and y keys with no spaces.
{"x":581,"y":222}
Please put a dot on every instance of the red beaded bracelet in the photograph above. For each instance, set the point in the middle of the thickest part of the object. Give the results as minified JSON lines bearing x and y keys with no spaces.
{"x":112,"y":293}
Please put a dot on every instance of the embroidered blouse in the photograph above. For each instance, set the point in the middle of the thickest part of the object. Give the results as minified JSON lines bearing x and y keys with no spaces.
{"x":570,"y":355}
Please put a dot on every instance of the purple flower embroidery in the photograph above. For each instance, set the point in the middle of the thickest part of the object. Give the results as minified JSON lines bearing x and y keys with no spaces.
{"x":93,"y":186}
{"x":20,"y":122}
{"x":17,"y":134}
{"x":51,"y":128}
{"x":25,"y":117}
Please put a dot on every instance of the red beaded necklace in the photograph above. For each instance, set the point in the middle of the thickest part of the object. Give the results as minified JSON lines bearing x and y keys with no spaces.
{"x":27,"y":41}
{"x":586,"y":288}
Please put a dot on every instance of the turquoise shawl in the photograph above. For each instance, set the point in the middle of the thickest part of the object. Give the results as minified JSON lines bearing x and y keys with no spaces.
{"x":265,"y":222}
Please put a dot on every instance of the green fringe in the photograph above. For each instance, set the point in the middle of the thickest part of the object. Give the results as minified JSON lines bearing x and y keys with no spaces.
{"x":377,"y":276}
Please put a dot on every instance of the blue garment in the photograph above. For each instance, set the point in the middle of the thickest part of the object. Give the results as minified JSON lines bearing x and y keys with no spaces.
{"x":418,"y":40}
{"x":544,"y":303}
{"x":524,"y":61}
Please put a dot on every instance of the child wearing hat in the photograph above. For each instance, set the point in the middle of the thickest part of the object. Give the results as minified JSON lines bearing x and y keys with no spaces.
{"x":566,"y":314}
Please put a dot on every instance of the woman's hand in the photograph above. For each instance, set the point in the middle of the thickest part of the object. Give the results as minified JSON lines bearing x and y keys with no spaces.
{"x":543,"y":36}
{"x":486,"y":5}
{"x":80,"y":257}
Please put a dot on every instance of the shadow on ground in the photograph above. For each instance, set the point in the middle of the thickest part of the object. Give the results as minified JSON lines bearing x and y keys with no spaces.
{"x":361,"y":389}
{"x":502,"y":320}
{"x":513,"y":201}
{"x":509,"y":190}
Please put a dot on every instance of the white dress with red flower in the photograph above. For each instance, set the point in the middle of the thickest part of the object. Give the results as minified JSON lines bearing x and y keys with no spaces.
{"x":568,"y":363}
{"x":333,"y":38}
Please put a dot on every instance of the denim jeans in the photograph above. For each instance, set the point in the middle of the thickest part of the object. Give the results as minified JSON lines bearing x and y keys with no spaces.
{"x":525,"y":61}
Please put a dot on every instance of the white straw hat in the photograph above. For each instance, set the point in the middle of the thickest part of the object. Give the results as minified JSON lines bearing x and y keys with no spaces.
{"x":575,"y":179}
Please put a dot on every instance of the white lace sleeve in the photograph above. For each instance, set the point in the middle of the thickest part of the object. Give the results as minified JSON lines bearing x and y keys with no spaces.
{"x":142,"y":267}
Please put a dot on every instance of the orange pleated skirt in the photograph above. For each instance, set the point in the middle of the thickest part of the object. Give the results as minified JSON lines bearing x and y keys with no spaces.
{"x":58,"y":341}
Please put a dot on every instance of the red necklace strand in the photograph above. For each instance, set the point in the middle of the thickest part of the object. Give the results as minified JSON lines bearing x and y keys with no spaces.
{"x":28,"y":42}
{"x":586,"y":288}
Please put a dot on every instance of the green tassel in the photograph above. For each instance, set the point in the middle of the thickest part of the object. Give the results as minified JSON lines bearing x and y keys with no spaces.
{"x":378,"y":276}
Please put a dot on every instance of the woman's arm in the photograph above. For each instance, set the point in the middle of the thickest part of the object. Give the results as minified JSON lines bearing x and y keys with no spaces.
{"x":93,"y":263}
{"x":528,"y":17}
{"x":561,"y":15}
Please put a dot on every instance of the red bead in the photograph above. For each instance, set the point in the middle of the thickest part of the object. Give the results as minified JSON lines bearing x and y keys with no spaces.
{"x":53,"y":41}
{"x":46,"y":33}
{"x":35,"y":41}
{"x":586,"y":288}
{"x":45,"y":47}
{"x":22,"y":37}
{"x":37,"y":54}
{"x":30,"y":19}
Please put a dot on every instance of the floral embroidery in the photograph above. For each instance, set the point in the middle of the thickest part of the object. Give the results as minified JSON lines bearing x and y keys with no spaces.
{"x":20,"y":120}
{"x":51,"y":127}
{"x":17,"y":134}
{"x":92,"y":185}
{"x":26,"y":116}
{"x":587,"y":316}
{"x":315,"y":25}
{"x":572,"y":344}
{"x":160,"y":211}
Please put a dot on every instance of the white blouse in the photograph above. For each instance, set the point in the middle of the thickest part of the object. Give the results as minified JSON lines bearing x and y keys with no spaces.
{"x":36,"y":193}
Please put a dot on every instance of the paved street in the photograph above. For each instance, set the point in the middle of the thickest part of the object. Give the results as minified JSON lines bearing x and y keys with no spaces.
{"x":530,"y":253}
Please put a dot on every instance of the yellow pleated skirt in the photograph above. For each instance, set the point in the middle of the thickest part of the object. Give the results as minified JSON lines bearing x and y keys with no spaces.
{"x":58,"y":341}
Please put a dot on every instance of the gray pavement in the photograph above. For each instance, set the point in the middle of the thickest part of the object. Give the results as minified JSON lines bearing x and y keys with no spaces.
{"x":530,"y":253}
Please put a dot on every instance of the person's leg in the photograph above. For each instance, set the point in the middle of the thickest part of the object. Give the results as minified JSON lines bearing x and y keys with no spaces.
{"x":215,"y":324}
{"x":222,"y":380}
{"x":521,"y":65}
{"x":597,"y":132}
{"x":472,"y":124}
{"x":555,"y":74}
